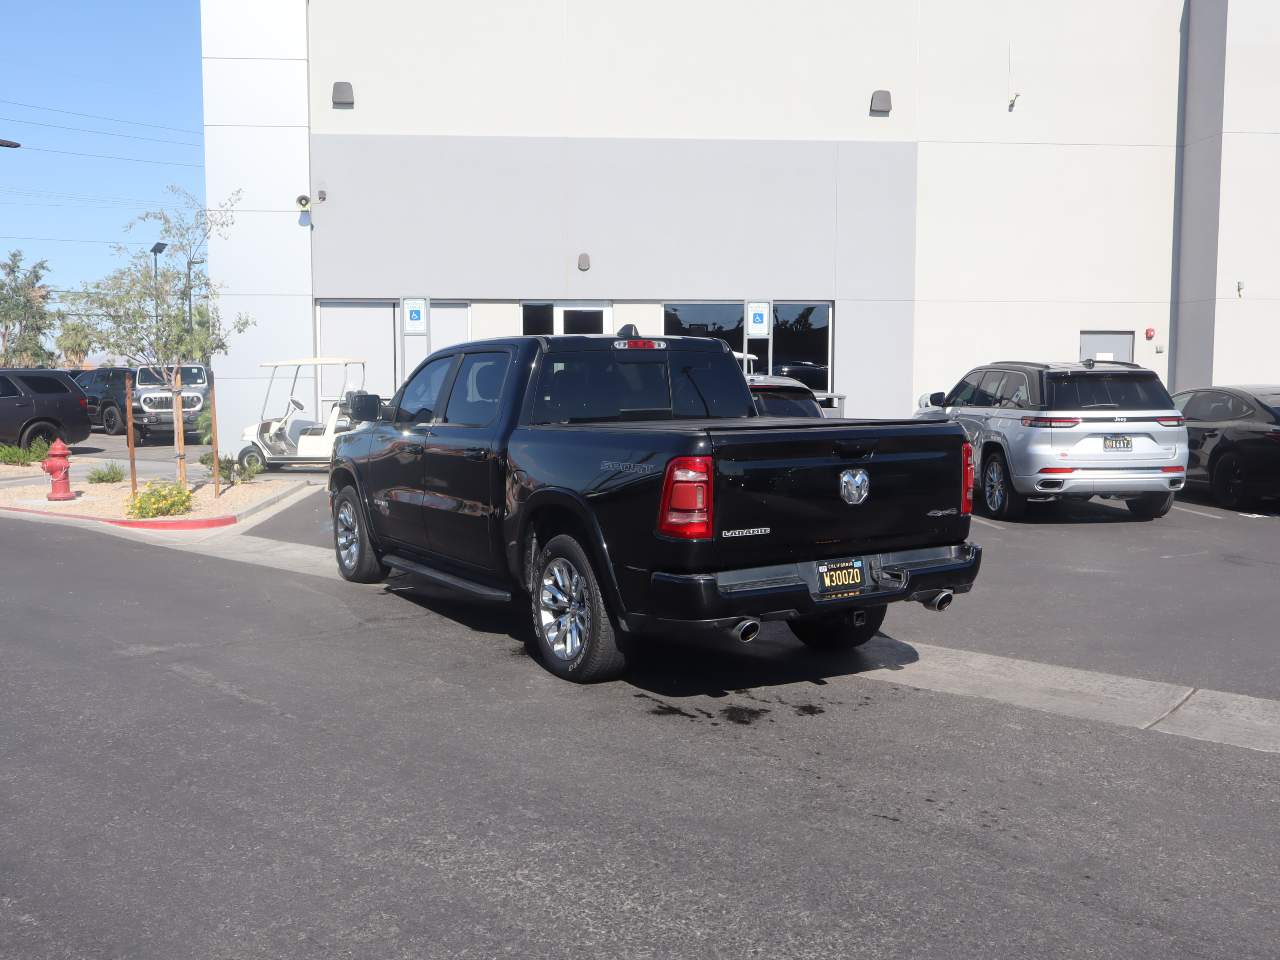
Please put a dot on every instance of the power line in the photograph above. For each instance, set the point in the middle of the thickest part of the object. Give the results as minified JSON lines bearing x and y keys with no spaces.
{"x":59,"y":195}
{"x":94,"y":116}
{"x":102,"y":156}
{"x":126,"y":243}
{"x":100,"y":133}
{"x":78,"y":204}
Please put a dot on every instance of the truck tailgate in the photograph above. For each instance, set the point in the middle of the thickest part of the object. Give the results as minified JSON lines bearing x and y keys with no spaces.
{"x":778,"y":488}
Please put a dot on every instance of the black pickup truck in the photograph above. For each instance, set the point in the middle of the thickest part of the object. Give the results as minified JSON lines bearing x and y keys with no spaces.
{"x":629,"y":485}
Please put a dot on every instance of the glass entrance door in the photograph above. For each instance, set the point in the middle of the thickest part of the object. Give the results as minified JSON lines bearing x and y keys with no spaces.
{"x":572,"y":316}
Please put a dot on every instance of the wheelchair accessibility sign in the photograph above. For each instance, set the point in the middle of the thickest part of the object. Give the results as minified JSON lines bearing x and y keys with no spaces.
{"x":759,"y":316}
{"x":415,"y":315}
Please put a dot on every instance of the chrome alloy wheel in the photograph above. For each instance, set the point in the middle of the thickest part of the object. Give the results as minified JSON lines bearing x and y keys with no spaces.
{"x":564,"y":608}
{"x":993,"y":485}
{"x":348,"y":534}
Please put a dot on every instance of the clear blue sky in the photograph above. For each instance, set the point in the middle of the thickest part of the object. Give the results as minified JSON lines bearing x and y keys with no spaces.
{"x":137,"y":61}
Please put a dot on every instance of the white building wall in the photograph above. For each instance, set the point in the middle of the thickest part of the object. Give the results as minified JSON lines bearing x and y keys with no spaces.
{"x":714,"y":69}
{"x":1247,"y":319}
{"x":254,"y":58}
{"x":1056,"y":216}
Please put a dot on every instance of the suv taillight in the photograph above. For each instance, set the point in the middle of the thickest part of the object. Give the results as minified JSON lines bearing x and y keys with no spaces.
{"x":686,"y":498}
{"x":1051,"y":421}
{"x":966,"y":479}
{"x":1171,"y":421}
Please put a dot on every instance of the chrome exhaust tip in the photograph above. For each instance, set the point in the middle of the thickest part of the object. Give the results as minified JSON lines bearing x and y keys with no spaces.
{"x":939,"y":601}
{"x":747,"y":630}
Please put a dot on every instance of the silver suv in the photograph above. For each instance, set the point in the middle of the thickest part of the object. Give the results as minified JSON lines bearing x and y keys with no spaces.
{"x":1051,"y":431}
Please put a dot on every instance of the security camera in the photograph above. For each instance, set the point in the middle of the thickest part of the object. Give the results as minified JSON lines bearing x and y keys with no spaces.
{"x":304,"y":202}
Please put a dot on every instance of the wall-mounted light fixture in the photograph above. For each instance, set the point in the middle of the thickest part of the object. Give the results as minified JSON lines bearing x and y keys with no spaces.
{"x":344,"y":97}
{"x":584,"y":262}
{"x":881,"y":102}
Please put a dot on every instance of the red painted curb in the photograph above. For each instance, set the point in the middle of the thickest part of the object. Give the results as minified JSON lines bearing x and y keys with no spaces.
{"x":158,"y":524}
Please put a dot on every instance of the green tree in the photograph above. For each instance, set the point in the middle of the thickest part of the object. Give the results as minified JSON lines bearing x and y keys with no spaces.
{"x":146,"y":315}
{"x":75,"y":341}
{"x":25,"y":319}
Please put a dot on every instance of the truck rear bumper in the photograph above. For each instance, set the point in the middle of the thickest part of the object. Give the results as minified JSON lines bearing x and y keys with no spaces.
{"x":718,"y":601}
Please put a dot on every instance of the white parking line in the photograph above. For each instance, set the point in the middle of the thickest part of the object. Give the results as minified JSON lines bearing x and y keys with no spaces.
{"x":987,"y":523}
{"x":1198,"y":513}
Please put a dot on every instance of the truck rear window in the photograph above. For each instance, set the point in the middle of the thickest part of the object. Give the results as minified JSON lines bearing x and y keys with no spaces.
{"x":598,"y":386}
{"x":1123,"y":391}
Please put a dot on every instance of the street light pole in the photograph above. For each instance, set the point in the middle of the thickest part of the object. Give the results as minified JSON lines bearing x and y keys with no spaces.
{"x":157,"y":248}
{"x":190,"y":324}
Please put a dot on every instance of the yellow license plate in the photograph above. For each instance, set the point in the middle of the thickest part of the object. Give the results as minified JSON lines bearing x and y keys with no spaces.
{"x":842,"y":578}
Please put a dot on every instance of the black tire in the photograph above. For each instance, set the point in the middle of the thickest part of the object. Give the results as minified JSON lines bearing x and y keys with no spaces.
{"x":995,"y":493}
{"x":1227,"y":482}
{"x":39,"y":431}
{"x":1150,"y":506}
{"x":251,"y":455}
{"x":834,"y":632}
{"x":568,"y":608}
{"x":352,"y":548}
{"x":112,"y":423}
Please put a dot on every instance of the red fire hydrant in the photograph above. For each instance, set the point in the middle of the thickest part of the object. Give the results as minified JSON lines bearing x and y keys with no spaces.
{"x":58,"y":466}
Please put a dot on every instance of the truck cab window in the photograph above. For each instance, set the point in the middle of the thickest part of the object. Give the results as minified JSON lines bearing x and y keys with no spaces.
{"x":422,"y":393}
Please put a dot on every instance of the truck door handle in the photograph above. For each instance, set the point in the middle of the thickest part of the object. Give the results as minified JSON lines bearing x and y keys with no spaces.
{"x":475,"y":453}
{"x":414,"y":449}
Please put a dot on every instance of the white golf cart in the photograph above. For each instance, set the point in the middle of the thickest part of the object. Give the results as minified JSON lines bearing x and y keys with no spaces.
{"x":292,"y":439}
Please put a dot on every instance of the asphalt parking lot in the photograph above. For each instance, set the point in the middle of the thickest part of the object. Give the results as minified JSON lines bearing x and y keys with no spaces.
{"x":156,"y":447}
{"x":211,"y":758}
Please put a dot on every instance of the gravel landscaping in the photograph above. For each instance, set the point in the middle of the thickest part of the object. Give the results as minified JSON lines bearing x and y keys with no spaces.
{"x":109,"y":501}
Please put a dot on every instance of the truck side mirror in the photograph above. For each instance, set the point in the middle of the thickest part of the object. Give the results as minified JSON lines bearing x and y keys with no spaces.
{"x":937,"y":399}
{"x":364,"y":407}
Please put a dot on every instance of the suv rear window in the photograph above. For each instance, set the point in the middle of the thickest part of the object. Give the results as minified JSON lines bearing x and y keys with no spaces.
{"x":1114,"y":391}
{"x":599,"y":386}
{"x":44,"y":384}
{"x":786,"y":403}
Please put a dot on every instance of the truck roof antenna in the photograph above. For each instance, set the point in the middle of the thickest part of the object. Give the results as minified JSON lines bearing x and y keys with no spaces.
{"x":629,"y":331}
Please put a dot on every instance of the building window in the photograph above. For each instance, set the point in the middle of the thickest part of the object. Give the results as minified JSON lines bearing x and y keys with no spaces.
{"x":720,"y":320}
{"x":539,"y":319}
{"x":802,"y":343}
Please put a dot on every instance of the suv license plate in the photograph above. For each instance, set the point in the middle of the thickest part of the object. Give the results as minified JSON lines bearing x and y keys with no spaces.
{"x":1117,"y":443}
{"x":842,"y":578}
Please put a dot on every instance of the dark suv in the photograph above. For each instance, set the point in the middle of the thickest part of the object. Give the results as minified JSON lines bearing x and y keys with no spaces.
{"x":104,"y":390}
{"x":41,"y":405}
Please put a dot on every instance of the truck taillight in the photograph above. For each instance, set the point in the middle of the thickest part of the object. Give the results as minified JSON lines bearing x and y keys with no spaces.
{"x":686,"y":499}
{"x":966,"y":479}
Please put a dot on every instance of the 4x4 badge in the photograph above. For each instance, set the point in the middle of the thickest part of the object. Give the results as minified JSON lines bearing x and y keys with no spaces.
{"x":855,"y":486}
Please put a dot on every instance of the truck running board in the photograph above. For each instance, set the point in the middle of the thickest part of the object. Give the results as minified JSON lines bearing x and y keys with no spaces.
{"x":479,"y":591}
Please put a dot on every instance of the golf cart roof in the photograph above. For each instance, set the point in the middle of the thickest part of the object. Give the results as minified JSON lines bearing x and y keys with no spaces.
{"x":310,"y":361}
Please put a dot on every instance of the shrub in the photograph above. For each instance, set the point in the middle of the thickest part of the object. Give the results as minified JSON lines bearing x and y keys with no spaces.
{"x":109,"y":473}
{"x":18,"y":457}
{"x":160,"y":500}
{"x":204,"y":427}
{"x":229,"y":469}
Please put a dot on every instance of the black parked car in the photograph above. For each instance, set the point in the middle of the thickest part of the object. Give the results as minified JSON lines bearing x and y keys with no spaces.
{"x":627,"y":485}
{"x":1233,"y":435}
{"x":41,"y":405}
{"x":104,"y":390}
{"x":812,"y":375}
